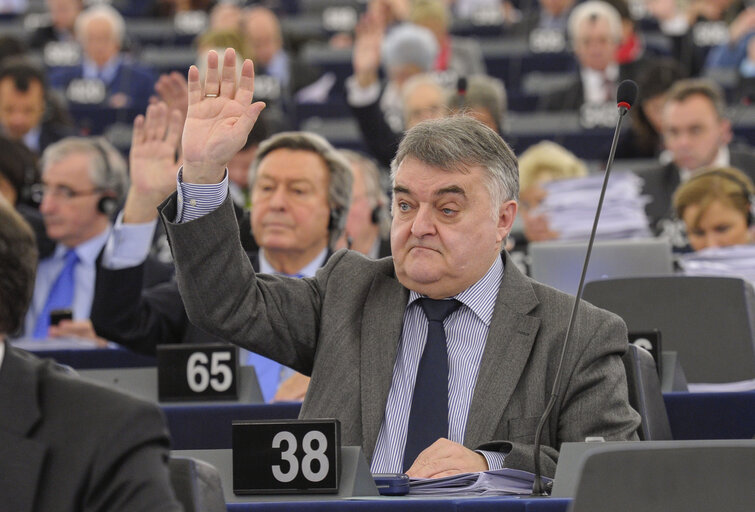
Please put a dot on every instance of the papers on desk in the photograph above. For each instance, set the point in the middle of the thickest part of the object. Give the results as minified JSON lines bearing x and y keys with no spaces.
{"x":485,"y":483}
{"x":570,"y":207}
{"x":34,"y":344}
{"x":732,"y":261}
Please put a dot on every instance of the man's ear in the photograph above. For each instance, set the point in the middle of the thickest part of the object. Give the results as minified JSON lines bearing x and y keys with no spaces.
{"x":506,"y":215}
{"x":726,"y":133}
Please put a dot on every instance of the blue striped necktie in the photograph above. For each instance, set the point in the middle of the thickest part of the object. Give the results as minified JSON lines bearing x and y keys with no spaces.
{"x":60,"y":296}
{"x":428,"y":418}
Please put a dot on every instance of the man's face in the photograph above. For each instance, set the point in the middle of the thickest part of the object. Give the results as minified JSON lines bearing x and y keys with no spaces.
{"x":595,"y":45}
{"x":719,"y":225}
{"x":425,"y":102}
{"x":100,"y":43}
{"x":444,"y":237}
{"x":262,"y":36}
{"x":75,"y":219}
{"x":63,"y":13}
{"x":693,"y":132}
{"x":20,"y":111}
{"x":290,"y":209}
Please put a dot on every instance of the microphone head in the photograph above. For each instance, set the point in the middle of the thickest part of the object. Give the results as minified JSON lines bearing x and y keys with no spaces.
{"x":461,"y":86}
{"x":627,"y":94}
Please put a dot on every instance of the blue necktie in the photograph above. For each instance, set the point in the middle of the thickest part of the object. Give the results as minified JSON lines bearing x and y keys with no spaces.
{"x":60,"y":296}
{"x":269,"y":373}
{"x":428,"y":418}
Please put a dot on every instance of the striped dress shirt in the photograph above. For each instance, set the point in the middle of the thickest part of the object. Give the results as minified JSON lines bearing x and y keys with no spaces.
{"x":466,"y":332}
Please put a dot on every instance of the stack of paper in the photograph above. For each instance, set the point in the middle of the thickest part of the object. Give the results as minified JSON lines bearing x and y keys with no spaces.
{"x":485,"y":483}
{"x":733,"y":261}
{"x":571,"y":204}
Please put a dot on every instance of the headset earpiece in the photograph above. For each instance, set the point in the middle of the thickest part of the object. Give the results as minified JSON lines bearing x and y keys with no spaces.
{"x":107,"y":205}
{"x":337,"y":219}
{"x":375,"y":215}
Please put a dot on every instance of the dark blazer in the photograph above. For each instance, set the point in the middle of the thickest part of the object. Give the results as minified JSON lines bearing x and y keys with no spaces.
{"x":343,"y":328}
{"x":50,"y":133}
{"x":69,"y":445}
{"x":662,"y":181}
{"x":136,"y":82}
{"x":572,"y":96}
{"x":377,"y":135}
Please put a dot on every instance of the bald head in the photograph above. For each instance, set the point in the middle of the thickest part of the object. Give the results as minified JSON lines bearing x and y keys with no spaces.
{"x":263,"y":34}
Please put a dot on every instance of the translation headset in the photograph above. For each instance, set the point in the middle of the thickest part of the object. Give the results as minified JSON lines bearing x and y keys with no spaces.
{"x":337,"y":219}
{"x":745,"y":190}
{"x":107,"y":204}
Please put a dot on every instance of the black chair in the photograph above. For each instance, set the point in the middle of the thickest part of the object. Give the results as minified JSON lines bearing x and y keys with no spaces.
{"x":645,"y":394}
{"x":197,"y":485}
{"x":708,"y":321}
{"x":667,"y":476}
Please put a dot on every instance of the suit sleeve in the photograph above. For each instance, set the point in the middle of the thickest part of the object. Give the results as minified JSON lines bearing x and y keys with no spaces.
{"x":137,"y":319}
{"x":376,"y":134}
{"x":130,"y":470}
{"x":593,"y":401}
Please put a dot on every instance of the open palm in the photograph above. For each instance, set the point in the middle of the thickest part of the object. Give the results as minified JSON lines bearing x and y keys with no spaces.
{"x":220,"y":116}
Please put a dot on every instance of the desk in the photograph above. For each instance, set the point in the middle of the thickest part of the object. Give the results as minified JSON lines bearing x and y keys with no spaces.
{"x":711,"y":415}
{"x":80,"y":354}
{"x":491,"y":504}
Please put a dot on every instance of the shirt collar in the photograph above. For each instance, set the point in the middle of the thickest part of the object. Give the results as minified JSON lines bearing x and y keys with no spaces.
{"x":87,"y":251}
{"x":106,"y":73}
{"x":31,"y":139}
{"x":308,"y":270}
{"x":481,"y":296}
{"x":723,"y":158}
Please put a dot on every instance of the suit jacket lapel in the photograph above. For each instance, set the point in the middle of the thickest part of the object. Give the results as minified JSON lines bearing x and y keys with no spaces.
{"x":381,"y":331}
{"x":510,"y":339}
{"x":21,"y":458}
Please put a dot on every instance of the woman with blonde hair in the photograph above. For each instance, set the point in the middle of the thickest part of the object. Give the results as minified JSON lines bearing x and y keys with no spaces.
{"x":716,"y":208}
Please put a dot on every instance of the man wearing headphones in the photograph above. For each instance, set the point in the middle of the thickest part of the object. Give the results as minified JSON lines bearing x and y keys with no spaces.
{"x":83,"y":181}
{"x":300,"y":192}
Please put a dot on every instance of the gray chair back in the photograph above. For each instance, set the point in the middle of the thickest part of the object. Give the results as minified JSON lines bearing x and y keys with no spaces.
{"x":197,"y":485}
{"x":645,"y":394}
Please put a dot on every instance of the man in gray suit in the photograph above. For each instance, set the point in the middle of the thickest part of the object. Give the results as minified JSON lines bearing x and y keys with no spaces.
{"x":358,"y":326}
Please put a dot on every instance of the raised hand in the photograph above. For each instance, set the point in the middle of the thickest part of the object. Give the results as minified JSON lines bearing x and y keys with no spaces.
{"x":220,"y":116}
{"x":365,"y":58}
{"x":173,"y":89}
{"x":152,"y":162}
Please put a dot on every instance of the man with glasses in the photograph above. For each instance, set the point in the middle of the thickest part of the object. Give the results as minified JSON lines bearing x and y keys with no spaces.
{"x":83,"y":181}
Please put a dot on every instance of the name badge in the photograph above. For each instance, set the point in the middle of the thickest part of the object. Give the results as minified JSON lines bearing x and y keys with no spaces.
{"x":197,"y":372}
{"x":86,"y":90}
{"x":286,"y":456}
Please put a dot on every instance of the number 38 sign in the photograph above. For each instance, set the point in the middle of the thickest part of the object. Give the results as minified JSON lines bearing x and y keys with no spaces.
{"x":293,"y":456}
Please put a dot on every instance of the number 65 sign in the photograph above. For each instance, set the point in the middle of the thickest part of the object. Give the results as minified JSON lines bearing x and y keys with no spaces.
{"x":197,"y":372}
{"x":286,"y":456}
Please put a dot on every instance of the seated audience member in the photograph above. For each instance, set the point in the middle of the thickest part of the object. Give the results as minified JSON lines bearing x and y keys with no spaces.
{"x":551,"y":15}
{"x":262,"y":32}
{"x":482,"y":97}
{"x":83,"y":182}
{"x":369,"y":222}
{"x":715,"y":207}
{"x":18,"y":171}
{"x":696,"y":134}
{"x":460,"y":56}
{"x":595,"y":34}
{"x":359,"y":326}
{"x":100,"y":30}
{"x":300,"y":195}
{"x":539,"y":164}
{"x":63,"y":15}
{"x":26,"y":113}
{"x":403,"y":52}
{"x":644,"y":138}
{"x":68,"y":445}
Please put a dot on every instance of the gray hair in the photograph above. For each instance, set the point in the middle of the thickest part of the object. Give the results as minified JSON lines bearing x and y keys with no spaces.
{"x":485,"y":92}
{"x":101,"y":11}
{"x":339,"y":188}
{"x":375,"y":193}
{"x":409,"y":44}
{"x":109,"y":175}
{"x":457,"y":143}
{"x":594,"y":9}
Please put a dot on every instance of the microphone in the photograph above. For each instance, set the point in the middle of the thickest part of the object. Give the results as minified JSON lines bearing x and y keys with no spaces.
{"x":461,"y":86}
{"x":625,"y":98}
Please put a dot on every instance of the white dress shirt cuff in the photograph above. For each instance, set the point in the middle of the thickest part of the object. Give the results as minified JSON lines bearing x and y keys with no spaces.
{"x":196,"y":200}
{"x":494,"y":459}
{"x":128,"y":244}
{"x":357,"y":96}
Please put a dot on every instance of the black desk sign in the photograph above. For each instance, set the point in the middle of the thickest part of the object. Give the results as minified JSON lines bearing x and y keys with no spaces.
{"x":197,"y":372}
{"x":286,"y":456}
{"x":650,"y":341}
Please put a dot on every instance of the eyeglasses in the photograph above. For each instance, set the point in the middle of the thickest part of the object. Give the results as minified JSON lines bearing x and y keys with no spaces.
{"x":39,"y":190}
